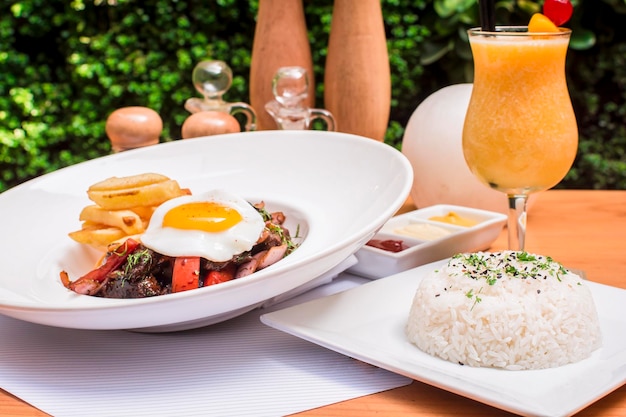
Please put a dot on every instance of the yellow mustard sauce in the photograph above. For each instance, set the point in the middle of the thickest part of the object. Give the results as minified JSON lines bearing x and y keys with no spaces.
{"x":455,"y":219}
{"x":423,"y":231}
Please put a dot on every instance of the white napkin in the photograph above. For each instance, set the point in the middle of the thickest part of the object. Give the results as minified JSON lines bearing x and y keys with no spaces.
{"x":236,"y":368}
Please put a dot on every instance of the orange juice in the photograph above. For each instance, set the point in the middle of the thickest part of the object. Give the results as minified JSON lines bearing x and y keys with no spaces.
{"x":520,"y":132}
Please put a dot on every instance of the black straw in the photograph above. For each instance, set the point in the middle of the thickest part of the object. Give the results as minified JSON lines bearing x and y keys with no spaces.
{"x":487,"y":15}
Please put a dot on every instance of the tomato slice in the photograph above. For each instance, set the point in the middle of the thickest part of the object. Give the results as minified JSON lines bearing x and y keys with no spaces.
{"x":185,"y":273}
{"x":111,"y":263}
{"x":216,"y":277}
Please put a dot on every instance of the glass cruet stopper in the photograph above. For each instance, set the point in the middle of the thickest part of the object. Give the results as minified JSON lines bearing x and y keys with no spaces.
{"x":212,"y":79}
{"x":290,"y":87}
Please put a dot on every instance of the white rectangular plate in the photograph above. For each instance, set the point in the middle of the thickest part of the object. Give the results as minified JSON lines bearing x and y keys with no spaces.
{"x":367,"y":323}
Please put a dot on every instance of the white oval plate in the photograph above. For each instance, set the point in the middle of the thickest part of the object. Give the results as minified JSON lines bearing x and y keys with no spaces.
{"x":339,"y":189}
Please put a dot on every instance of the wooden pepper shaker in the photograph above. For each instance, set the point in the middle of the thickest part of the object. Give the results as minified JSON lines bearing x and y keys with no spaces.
{"x":280,"y":40}
{"x":357,"y":80}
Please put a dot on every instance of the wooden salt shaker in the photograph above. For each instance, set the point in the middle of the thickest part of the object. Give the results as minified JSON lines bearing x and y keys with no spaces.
{"x":357,"y":80}
{"x":133,"y":127}
{"x":280,"y":40}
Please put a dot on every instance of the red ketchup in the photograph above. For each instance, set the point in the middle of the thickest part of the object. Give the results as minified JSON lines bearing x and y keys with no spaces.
{"x":389,"y":245}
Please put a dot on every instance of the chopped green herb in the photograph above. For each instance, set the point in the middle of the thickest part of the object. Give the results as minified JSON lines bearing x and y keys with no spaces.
{"x":526,"y":257}
{"x":267,"y":216}
{"x":135,"y":258}
{"x":470,"y":294}
{"x":492,"y":267}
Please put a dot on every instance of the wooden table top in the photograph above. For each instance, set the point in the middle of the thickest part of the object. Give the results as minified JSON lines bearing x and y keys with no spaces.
{"x":582,"y":229}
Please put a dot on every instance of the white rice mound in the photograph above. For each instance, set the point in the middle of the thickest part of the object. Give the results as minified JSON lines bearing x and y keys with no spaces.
{"x":509,"y":310}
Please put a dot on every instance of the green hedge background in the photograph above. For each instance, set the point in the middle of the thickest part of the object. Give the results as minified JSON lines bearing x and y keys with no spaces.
{"x":67,"y":64}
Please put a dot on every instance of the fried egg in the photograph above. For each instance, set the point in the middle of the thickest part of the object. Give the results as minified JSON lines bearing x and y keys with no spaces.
{"x":216,"y":225}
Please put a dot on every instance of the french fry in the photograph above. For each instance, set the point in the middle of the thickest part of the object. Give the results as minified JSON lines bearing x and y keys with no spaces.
{"x":98,"y":236}
{"x":92,"y":225}
{"x":127,"y":220}
{"x":147,"y":195}
{"x":123,"y":207}
{"x":144,"y":212}
{"x":132,"y":181}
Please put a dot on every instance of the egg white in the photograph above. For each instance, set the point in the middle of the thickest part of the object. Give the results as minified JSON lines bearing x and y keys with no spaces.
{"x":214,"y":246}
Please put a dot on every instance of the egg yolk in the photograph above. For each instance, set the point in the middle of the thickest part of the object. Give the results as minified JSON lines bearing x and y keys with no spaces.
{"x":206,"y":216}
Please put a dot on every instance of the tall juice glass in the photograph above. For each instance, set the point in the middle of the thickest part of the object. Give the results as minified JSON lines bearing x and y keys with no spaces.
{"x":520,"y":134}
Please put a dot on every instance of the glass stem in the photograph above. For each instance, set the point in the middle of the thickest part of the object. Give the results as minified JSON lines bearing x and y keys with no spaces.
{"x":517,"y":221}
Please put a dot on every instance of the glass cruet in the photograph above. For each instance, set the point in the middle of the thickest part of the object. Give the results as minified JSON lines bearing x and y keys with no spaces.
{"x":290,"y":87}
{"x":212,"y":79}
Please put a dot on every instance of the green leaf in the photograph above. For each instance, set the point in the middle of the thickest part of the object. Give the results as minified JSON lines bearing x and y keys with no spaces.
{"x":582,"y":39}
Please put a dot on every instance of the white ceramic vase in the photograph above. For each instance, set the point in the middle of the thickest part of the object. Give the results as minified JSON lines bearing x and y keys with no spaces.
{"x":432,"y":142}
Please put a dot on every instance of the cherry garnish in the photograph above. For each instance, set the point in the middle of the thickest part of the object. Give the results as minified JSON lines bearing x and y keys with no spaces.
{"x":559,"y":11}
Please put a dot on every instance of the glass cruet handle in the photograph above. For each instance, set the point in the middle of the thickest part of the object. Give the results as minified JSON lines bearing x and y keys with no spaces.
{"x":247,"y":111}
{"x":212,"y":79}
{"x":324,"y":115}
